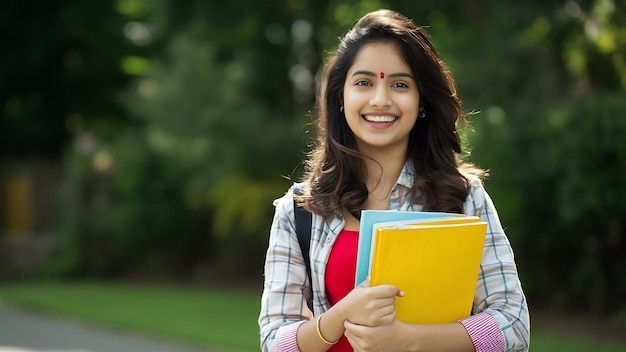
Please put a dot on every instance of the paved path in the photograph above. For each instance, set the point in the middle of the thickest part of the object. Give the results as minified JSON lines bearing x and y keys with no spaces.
{"x":24,"y":331}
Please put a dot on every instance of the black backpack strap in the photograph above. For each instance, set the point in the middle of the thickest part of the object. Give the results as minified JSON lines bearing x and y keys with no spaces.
{"x":303,"y":220}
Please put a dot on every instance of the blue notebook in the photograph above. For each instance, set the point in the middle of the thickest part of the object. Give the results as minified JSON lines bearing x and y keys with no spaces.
{"x":371,"y":217}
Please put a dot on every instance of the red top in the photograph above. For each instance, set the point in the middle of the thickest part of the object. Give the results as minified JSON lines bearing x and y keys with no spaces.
{"x":340,"y":275}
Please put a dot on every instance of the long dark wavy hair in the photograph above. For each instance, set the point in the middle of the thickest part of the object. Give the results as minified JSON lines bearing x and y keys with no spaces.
{"x":335,"y":168}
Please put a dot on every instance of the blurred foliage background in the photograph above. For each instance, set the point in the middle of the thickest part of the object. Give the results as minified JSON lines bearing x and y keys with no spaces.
{"x":147,"y":139}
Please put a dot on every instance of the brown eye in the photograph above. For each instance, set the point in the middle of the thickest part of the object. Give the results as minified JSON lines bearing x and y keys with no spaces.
{"x":400,"y":85}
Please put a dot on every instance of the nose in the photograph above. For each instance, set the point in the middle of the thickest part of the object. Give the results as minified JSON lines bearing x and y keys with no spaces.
{"x":381,"y":97}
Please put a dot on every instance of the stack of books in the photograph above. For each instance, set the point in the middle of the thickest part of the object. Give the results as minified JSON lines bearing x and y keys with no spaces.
{"x":433,"y":257}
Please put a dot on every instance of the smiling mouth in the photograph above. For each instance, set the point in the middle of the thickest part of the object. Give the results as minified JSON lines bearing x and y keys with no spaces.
{"x":380,"y":118}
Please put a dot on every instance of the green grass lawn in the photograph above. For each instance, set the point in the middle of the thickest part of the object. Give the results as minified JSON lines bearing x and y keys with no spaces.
{"x":544,"y":342}
{"x":203,"y":317}
{"x":200,"y":316}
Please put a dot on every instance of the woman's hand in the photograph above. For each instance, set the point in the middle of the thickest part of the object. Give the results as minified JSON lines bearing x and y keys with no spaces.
{"x":371,"y":306}
{"x":380,"y":338}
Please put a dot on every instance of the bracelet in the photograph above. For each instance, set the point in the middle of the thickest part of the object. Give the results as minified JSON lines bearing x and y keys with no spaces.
{"x":319,"y":332}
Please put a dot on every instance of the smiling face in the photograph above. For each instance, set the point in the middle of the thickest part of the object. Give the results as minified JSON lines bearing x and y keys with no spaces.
{"x":380,"y":98}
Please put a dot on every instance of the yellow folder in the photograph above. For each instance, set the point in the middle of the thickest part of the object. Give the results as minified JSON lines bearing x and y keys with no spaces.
{"x":435,"y":263}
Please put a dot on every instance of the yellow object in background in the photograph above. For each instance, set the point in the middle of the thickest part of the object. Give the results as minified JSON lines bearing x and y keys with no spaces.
{"x":18,"y":205}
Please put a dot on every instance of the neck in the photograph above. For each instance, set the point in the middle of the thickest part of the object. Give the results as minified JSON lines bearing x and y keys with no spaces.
{"x":383,"y":169}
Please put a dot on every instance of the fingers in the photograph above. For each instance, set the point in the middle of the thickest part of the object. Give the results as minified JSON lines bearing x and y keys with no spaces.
{"x":367,"y":283}
{"x":376,"y":312}
{"x":382,"y":291}
{"x":384,"y":316}
{"x":364,"y":338}
{"x":352,"y":333}
{"x":371,"y":306}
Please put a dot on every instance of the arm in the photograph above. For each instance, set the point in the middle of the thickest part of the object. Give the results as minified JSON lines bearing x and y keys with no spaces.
{"x":402,"y":337}
{"x":499,"y":320}
{"x":283,"y":307}
{"x":499,"y":300}
{"x":285,"y":322}
{"x":458,"y":336}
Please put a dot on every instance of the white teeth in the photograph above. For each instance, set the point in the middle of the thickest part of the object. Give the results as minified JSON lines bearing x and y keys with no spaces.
{"x":381,"y":118}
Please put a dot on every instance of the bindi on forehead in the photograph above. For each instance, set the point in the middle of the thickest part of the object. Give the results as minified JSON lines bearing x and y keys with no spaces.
{"x":382,"y":75}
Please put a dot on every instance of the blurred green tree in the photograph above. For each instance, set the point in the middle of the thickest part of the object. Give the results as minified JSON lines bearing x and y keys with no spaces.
{"x":59,"y":73}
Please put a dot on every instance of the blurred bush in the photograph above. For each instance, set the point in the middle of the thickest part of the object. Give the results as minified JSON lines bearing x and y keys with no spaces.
{"x":124,"y":211}
{"x":186,"y":191}
{"x":560,"y":194}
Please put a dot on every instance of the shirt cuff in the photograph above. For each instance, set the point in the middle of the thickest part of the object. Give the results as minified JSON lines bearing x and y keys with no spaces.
{"x":286,"y":338}
{"x":485,"y":333}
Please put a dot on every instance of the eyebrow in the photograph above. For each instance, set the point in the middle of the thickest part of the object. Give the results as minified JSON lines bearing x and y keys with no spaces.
{"x":372,"y":74}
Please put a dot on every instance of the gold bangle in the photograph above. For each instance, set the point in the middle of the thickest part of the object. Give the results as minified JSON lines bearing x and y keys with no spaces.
{"x":319,"y":332}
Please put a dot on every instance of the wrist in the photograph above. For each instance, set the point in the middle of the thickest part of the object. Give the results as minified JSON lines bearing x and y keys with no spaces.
{"x":409,"y":336}
{"x":318,"y":322}
{"x":339,"y":310}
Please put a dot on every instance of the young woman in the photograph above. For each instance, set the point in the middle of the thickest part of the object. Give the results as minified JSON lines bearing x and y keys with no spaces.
{"x":387,"y":139}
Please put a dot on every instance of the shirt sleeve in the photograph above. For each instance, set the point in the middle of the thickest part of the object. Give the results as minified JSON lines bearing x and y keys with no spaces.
{"x":500,"y":320}
{"x":283,"y":305}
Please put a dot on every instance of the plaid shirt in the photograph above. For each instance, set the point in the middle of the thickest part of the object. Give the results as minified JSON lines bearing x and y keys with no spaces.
{"x":499,"y":321}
